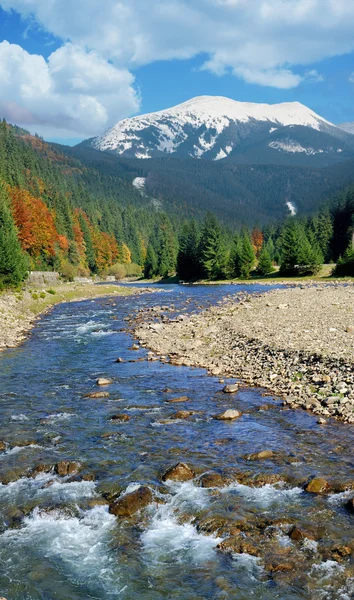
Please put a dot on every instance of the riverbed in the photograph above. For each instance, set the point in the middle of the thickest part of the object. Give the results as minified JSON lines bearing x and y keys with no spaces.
{"x":58,"y":538}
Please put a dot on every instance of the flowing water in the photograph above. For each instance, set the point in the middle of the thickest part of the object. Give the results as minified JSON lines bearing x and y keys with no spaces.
{"x":57,"y":539}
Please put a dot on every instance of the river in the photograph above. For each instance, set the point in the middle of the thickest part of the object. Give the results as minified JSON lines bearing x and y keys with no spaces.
{"x":58,"y":541}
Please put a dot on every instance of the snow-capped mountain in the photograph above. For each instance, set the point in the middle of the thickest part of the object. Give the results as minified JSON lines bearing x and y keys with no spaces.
{"x":218,"y":128}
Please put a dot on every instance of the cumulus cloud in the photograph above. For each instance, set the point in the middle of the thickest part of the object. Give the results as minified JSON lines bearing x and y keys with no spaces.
{"x":264,"y":42}
{"x":74,"y":90}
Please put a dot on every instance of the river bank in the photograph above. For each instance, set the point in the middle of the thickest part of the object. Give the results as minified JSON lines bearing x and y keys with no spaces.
{"x":297,"y":343}
{"x":20,"y":310}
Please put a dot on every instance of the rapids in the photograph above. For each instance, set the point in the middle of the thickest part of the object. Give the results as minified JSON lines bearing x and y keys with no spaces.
{"x":57,"y":538}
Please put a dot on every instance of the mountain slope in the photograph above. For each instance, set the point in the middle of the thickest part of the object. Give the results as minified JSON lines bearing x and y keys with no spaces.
{"x":218,"y":128}
{"x":348,"y":127}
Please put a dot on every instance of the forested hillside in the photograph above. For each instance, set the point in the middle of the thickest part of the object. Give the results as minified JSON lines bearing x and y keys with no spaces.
{"x":238,"y":194}
{"x":63,"y":212}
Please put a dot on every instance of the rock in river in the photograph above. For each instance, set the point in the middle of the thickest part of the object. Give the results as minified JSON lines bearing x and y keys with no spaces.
{"x":260,"y":455}
{"x":317,"y":485}
{"x":67,"y":467}
{"x":129,"y":504}
{"x":211,"y":480}
{"x":104,"y":381}
{"x":228,"y":415}
{"x":230,"y":389}
{"x":97,"y":395}
{"x":179,"y":472}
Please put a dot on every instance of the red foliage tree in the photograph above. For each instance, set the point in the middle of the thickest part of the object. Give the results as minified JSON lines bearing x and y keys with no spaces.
{"x":257,"y":240}
{"x":35,"y":224}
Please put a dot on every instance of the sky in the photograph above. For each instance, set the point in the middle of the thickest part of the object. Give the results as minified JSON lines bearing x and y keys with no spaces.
{"x":70,"y":69}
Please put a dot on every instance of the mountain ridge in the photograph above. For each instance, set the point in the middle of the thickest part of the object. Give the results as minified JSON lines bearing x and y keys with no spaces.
{"x":219,"y":128}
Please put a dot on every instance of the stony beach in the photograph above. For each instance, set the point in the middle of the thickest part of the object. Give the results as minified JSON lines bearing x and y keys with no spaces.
{"x":296,"y":342}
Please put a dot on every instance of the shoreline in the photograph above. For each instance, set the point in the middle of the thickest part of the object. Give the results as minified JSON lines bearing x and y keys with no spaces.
{"x":297,"y":343}
{"x":20,"y":310}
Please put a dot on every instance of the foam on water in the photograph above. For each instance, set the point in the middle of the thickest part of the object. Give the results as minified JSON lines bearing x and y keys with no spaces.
{"x":60,"y":490}
{"x":326,"y":569}
{"x":17,"y":449}
{"x":77,"y":545}
{"x":20,"y":417}
{"x":60,"y":416}
{"x":89,"y":327}
{"x":266,"y":495}
{"x":165,"y":540}
{"x":249,"y":564}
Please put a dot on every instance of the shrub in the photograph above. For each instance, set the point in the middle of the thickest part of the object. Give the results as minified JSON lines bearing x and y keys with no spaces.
{"x":345,"y":264}
{"x":53,"y":292}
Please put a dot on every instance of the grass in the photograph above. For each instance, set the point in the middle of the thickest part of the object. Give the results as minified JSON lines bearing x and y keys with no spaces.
{"x":71,"y":293}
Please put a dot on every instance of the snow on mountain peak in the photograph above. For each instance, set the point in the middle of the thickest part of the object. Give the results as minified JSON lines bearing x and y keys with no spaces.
{"x":203,"y":126}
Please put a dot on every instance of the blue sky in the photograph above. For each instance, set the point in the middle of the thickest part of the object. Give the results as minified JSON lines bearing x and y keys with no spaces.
{"x":71,"y":70}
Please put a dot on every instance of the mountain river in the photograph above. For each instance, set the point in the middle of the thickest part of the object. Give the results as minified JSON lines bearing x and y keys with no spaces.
{"x":57,"y":537}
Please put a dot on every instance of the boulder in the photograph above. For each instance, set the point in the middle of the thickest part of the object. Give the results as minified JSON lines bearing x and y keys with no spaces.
{"x":135,"y":347}
{"x":321,"y":421}
{"x":2,"y":446}
{"x":104,"y":381}
{"x":120,"y":360}
{"x":97,"y":395}
{"x":230,"y":389}
{"x":317,"y":485}
{"x":41,"y":468}
{"x":127,"y":505}
{"x":67,"y":467}
{"x":350,"y":329}
{"x":297,"y":534}
{"x":210,"y":480}
{"x":260,"y":455}
{"x":228,"y":415}
{"x":236,"y":545}
{"x":179,"y":472}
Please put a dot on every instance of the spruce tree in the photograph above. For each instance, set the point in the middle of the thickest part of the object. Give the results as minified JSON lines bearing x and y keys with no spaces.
{"x":151,"y":265}
{"x":265,"y":265}
{"x":188,"y":264}
{"x":212,"y":250}
{"x":13,"y":262}
{"x":247,"y":257}
{"x":235,"y":256}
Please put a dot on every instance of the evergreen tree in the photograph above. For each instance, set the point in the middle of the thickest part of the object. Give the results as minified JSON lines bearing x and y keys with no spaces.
{"x":297,"y":254}
{"x":13,"y":263}
{"x":151,"y":264}
{"x":235,"y":256}
{"x":247,"y":257}
{"x":188,"y":265}
{"x":212,"y":250}
{"x":265,"y":265}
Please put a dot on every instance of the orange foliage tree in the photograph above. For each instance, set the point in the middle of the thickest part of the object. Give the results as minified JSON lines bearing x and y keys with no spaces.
{"x":35,"y":224}
{"x":106,"y":249}
{"x":257,"y":240}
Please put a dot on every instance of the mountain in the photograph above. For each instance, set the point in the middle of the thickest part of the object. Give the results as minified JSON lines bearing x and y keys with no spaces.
{"x":221,"y":129}
{"x":348,"y":127}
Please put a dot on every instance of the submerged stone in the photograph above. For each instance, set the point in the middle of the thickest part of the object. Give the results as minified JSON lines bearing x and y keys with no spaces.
{"x":67,"y":467}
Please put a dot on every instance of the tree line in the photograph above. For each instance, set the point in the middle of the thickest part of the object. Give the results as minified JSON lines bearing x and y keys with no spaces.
{"x":297,"y":245}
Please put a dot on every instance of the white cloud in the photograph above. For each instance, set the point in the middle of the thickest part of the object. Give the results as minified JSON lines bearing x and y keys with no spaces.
{"x":74,"y":91}
{"x":351,"y":78}
{"x":265,"y":42}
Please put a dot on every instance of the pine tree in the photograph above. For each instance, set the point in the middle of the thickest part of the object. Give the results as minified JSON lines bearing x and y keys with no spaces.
{"x":298,"y":256}
{"x":212,"y":249}
{"x":265,"y":265}
{"x":188,"y":264}
{"x":151,"y":264}
{"x":235,"y":256}
{"x":13,"y":262}
{"x":247,"y":257}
